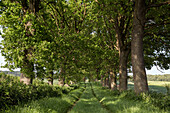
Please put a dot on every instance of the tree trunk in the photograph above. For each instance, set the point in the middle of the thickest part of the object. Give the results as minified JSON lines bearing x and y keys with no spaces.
{"x":84,"y":79}
{"x":24,"y":79}
{"x":137,"y":56}
{"x":64,"y":81}
{"x":50,"y":79}
{"x":113,"y":81}
{"x":102,"y":80}
{"x":107,"y":81}
{"x":31,"y":6}
{"x":31,"y":80}
{"x":123,"y":58}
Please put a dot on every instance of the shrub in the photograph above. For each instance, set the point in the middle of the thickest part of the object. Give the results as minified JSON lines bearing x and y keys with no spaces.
{"x":13,"y":92}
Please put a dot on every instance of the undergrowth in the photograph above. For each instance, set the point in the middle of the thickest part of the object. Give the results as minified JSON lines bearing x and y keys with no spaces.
{"x":49,"y":105}
{"x":13,"y":92}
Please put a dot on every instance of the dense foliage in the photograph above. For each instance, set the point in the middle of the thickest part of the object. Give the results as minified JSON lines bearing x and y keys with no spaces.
{"x":84,"y":38}
{"x":60,"y":104}
{"x":13,"y":92}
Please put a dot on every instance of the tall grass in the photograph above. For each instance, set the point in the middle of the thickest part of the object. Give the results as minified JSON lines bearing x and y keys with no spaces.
{"x":48,"y":105}
{"x":128,"y":102}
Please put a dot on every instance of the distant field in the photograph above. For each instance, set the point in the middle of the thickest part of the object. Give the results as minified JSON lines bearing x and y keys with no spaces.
{"x":158,"y":86}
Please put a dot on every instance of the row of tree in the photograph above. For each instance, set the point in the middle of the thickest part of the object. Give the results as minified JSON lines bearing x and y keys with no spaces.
{"x":86,"y":38}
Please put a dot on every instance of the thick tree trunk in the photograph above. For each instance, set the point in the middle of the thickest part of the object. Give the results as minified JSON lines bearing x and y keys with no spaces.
{"x":139,"y":74}
{"x":123,"y":58}
{"x":113,"y":81}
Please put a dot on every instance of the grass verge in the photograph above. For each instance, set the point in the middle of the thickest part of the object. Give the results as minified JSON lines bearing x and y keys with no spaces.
{"x":49,"y":105}
{"x":119,"y":103}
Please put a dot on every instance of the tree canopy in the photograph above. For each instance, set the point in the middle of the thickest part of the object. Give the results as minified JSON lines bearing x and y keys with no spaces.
{"x":74,"y":39}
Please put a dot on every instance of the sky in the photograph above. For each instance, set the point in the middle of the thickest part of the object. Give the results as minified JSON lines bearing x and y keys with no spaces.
{"x":153,"y":70}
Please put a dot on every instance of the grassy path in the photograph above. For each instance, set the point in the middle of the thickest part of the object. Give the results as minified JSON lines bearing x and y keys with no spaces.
{"x":89,"y":98}
{"x":88,"y":103}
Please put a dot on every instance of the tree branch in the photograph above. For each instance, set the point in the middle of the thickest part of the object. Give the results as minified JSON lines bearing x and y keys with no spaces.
{"x":158,"y":5}
{"x":159,"y":70}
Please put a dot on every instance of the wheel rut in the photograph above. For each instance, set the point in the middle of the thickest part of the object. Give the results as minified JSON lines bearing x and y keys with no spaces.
{"x":77,"y":99}
{"x":99,"y":100}
{"x":88,"y":103}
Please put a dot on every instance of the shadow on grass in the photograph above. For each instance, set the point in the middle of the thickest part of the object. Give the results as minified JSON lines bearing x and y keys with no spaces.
{"x":118,"y":104}
{"x":159,"y":89}
{"x":54,"y":105}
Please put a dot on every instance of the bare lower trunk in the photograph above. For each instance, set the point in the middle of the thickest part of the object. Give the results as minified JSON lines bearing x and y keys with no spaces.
{"x":64,"y":81}
{"x":139,"y":74}
{"x":107,"y":81}
{"x":31,"y":80}
{"x":50,"y":79}
{"x":102,"y":80}
{"x":84,"y":79}
{"x":123,"y":58}
{"x":24,"y":79}
{"x":113,"y":81}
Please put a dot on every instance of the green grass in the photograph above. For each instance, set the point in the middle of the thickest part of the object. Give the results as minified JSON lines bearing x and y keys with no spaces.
{"x":88,"y":103}
{"x":49,"y":105}
{"x":87,"y":99}
{"x":157,"y":86}
{"x":120,"y":104}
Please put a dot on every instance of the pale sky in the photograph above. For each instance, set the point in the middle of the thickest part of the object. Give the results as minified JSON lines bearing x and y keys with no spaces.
{"x":153,"y":71}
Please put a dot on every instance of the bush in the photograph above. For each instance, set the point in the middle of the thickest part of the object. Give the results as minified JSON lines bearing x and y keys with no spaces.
{"x":13,"y":92}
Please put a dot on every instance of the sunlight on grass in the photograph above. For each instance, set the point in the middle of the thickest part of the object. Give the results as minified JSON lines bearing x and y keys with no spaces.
{"x":158,"y":83}
{"x":157,"y":86}
{"x":119,"y":104}
{"x":88,"y":104}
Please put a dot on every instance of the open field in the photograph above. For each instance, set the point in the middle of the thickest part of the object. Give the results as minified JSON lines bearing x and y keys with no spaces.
{"x":158,"y":86}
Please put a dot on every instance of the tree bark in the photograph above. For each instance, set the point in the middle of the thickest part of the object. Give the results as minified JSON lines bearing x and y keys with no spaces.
{"x":31,"y":80}
{"x":107,"y":81}
{"x":113,"y":81}
{"x":50,"y":81}
{"x":102,"y":80}
{"x":137,"y":56}
{"x":123,"y":58}
{"x":64,"y":81}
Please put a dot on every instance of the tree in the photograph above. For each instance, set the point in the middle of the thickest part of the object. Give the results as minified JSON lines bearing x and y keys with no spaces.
{"x":137,"y":56}
{"x":117,"y":27}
